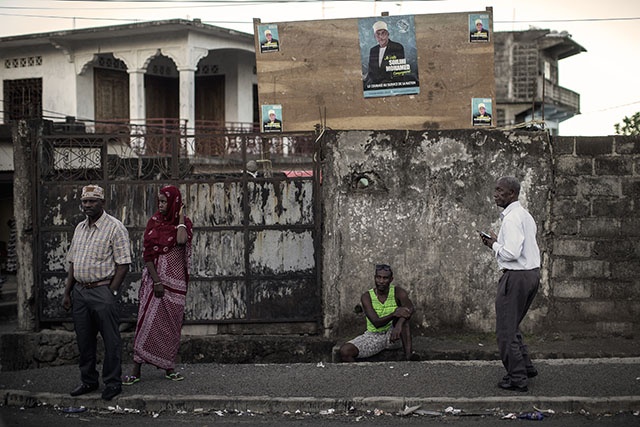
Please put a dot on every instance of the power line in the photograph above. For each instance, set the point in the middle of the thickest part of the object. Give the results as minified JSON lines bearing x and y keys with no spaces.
{"x":71,"y":17}
{"x":246,"y":2}
{"x":251,"y":21}
{"x":168,"y":4}
{"x":113,"y":19}
{"x":611,"y":108}
{"x":630,"y":18}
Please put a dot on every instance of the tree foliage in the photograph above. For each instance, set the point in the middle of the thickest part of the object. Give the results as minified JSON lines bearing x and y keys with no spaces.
{"x":629,"y":125}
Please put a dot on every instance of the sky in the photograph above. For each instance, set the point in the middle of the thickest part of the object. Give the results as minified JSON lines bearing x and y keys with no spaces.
{"x":606,"y":76}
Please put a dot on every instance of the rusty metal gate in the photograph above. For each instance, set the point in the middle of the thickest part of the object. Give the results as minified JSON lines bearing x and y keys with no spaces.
{"x":256,"y":247}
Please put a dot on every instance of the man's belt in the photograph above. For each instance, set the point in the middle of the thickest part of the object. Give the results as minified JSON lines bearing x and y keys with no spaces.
{"x":91,"y":285}
{"x":504,"y":270}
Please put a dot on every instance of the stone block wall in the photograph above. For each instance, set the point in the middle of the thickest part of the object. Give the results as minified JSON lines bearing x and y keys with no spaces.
{"x":595,"y":224}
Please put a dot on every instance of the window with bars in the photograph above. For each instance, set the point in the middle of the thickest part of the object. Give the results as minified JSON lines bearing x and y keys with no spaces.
{"x":22,"y":99}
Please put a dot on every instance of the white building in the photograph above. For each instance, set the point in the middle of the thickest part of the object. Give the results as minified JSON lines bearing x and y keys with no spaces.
{"x":176,"y":74}
{"x":173,"y":72}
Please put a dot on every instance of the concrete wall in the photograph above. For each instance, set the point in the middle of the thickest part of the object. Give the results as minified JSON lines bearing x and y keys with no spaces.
{"x":414,"y":200}
{"x":595,"y":222}
{"x":423,"y":196}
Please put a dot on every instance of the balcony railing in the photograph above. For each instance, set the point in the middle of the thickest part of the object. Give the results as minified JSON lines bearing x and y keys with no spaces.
{"x":209,"y":142}
{"x":557,"y":95}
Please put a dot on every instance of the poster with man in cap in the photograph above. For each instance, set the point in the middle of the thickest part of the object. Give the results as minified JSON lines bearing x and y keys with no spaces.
{"x":268,"y":38}
{"x":391,"y":66}
{"x":271,"y":121}
{"x":478,"y":24}
{"x":481,"y":108}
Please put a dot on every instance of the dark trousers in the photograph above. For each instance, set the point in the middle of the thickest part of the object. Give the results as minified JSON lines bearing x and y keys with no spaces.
{"x":516,"y":291}
{"x":96,"y":310}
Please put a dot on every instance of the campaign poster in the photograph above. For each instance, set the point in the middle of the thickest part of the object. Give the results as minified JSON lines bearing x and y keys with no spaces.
{"x":268,"y":37}
{"x":389,"y":56}
{"x":481,"y":111}
{"x":272,"y":118}
{"x":479,"y":28}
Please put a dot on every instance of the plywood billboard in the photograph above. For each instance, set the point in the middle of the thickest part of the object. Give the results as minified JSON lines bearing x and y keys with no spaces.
{"x":386,"y":72}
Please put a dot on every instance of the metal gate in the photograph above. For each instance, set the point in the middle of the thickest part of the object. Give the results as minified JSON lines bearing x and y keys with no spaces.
{"x":256,"y":247}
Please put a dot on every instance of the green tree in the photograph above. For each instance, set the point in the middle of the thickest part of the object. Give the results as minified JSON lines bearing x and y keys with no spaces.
{"x":629,"y":125}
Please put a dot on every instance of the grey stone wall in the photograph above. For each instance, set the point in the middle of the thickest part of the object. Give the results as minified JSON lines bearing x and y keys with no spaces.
{"x":414,"y":200}
{"x":595,"y":222}
{"x":59,"y":347}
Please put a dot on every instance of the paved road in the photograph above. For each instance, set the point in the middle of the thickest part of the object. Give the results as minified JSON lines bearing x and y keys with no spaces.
{"x":48,"y":416}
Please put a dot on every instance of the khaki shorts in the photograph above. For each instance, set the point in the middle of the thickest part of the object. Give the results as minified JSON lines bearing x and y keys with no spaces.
{"x":371,"y":343}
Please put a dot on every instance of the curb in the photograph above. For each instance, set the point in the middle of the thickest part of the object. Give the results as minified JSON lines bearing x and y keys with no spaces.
{"x":274,"y":405}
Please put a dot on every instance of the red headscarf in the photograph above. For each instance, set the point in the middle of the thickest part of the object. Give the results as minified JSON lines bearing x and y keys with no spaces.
{"x":162,"y":231}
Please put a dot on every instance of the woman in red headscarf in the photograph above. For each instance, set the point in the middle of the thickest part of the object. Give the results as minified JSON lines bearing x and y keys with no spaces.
{"x":163,"y":289}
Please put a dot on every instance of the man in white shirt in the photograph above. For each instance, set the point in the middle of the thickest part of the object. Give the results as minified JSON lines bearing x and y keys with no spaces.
{"x":518,"y":257}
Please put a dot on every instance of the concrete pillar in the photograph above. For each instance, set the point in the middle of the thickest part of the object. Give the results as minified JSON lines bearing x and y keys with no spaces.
{"x":188,"y":105}
{"x":136,"y":96}
{"x":137,"y":111}
{"x":25,"y":138}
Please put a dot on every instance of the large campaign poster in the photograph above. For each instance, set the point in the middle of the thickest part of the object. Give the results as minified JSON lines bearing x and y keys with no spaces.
{"x":389,"y":56}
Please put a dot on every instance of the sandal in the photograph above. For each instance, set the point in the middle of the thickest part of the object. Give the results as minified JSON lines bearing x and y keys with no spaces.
{"x":174,"y":376}
{"x":130,"y":380}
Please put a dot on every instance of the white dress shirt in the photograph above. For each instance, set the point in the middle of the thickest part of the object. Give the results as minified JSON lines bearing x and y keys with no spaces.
{"x":516,"y":247}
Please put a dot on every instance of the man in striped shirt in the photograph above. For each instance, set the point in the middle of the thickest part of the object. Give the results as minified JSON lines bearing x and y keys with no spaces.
{"x":99,"y":258}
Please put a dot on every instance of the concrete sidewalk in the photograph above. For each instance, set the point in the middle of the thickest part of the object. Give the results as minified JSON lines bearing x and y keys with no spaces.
{"x":595,"y":385}
{"x":594,"y":373}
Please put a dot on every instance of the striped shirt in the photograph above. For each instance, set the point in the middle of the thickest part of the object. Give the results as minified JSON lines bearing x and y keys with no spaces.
{"x":96,"y":249}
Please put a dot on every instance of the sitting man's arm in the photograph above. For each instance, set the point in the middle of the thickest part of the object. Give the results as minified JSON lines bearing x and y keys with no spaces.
{"x":405,"y":306}
{"x":403,"y":313}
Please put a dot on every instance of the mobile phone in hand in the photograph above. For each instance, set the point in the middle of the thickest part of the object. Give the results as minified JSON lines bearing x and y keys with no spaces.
{"x":483,"y":234}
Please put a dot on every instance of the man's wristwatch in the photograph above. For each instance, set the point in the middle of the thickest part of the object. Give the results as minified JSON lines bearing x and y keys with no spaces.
{"x":115,"y":292}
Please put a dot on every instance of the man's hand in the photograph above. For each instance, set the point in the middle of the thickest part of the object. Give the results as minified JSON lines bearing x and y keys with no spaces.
{"x":403,"y":312}
{"x":66,"y":302}
{"x":489,"y":241}
{"x":395,"y":332}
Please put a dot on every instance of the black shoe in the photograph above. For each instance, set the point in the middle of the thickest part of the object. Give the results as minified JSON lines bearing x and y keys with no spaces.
{"x":111,"y":391}
{"x":414,"y":357}
{"x":508,"y":385}
{"x":533,"y":372}
{"x":83,"y":389}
